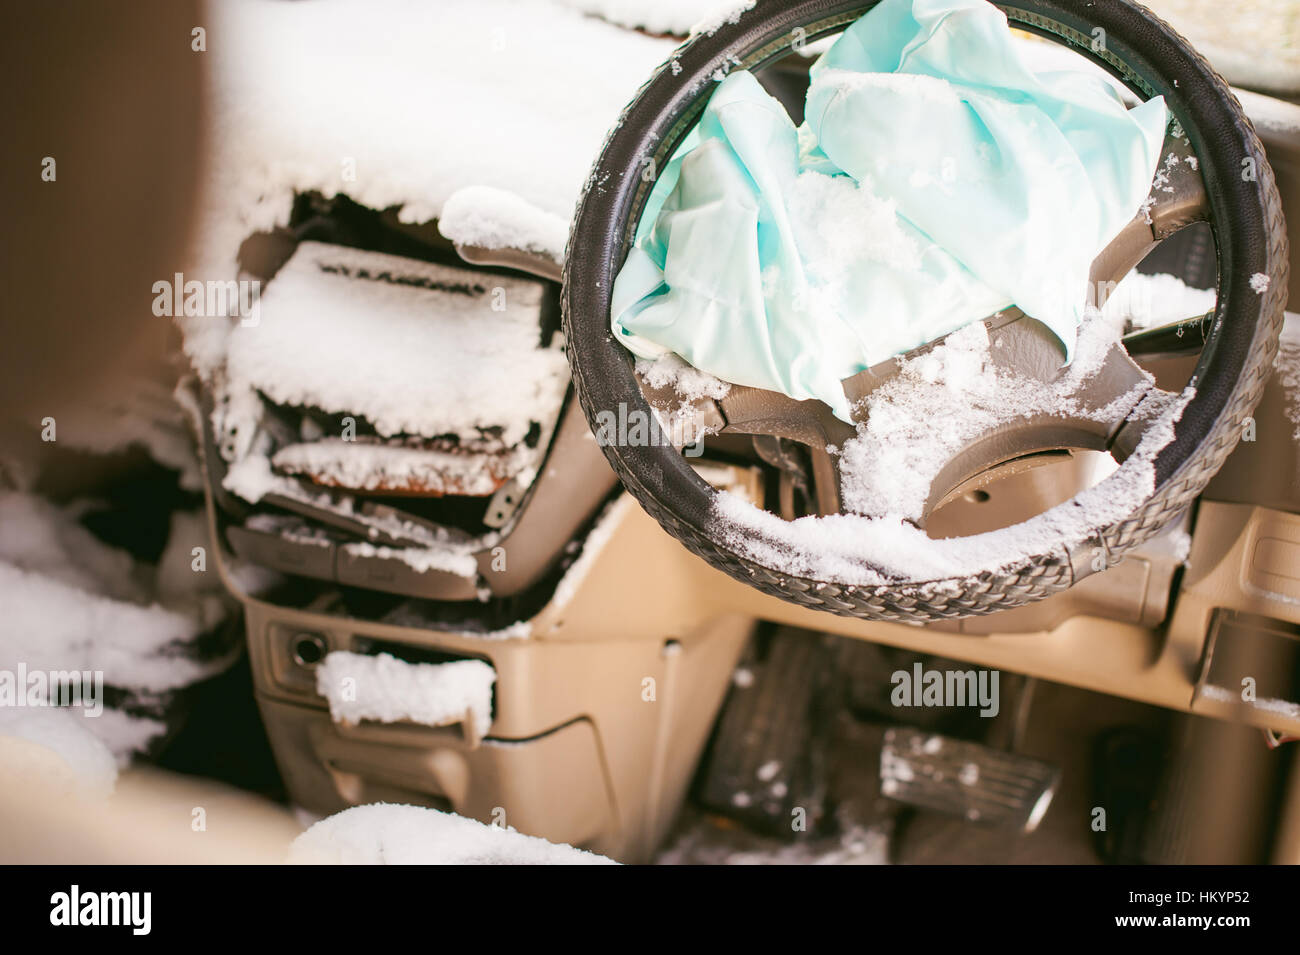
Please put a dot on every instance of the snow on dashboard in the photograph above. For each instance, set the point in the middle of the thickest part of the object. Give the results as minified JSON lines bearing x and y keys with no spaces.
{"x":497,"y":219}
{"x":384,"y":688}
{"x":401,"y":105}
{"x":369,"y":466}
{"x":415,"y":348}
{"x":677,"y":17}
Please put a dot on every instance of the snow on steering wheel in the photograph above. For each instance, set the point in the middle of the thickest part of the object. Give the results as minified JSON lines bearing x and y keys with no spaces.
{"x":935,"y":422}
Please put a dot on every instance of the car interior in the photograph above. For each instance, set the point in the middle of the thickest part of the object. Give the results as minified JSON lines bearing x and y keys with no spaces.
{"x":434,"y":490}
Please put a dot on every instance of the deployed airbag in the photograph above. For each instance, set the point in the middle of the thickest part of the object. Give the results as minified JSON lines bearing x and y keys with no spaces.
{"x":935,"y":180}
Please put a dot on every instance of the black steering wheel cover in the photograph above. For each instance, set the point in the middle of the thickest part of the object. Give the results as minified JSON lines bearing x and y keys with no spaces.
{"x":1237,"y":358}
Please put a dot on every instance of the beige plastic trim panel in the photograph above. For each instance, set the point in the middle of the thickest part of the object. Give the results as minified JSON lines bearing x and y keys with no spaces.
{"x":600,"y":714}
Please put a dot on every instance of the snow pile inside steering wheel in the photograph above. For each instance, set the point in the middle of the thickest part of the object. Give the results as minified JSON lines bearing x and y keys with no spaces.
{"x":915,"y":424}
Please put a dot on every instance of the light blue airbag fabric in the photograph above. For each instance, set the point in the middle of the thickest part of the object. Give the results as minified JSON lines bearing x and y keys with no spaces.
{"x":770,"y":256}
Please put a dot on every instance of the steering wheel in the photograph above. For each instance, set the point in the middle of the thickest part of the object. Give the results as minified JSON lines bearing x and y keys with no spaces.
{"x":1170,"y":443}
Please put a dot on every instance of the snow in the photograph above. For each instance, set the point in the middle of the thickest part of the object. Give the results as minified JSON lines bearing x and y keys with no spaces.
{"x":720,"y":14}
{"x":369,"y":465}
{"x":683,"y":421}
{"x":420,"y":559}
{"x":125,"y":734}
{"x":72,"y":603}
{"x":252,"y":479}
{"x":895,"y":768}
{"x":387,"y":834}
{"x":61,"y":585}
{"x":941,"y":401}
{"x":411,"y":346}
{"x":50,"y":625}
{"x":610,"y":518}
{"x":423,"y":546}
{"x":417,"y":350}
{"x":676,"y":17}
{"x":290,"y":527}
{"x":384,"y":688}
{"x":1161,"y":182}
{"x":497,"y":219}
{"x":839,"y":222}
{"x":400,"y":105}
{"x":886,"y":547}
{"x":691,"y":384}
{"x":42,"y":538}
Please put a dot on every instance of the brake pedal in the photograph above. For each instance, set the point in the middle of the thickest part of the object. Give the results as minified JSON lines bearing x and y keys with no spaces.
{"x":966,"y":779}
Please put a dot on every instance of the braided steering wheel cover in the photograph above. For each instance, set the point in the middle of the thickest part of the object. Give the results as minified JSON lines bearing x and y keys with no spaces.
{"x":1235,"y":363}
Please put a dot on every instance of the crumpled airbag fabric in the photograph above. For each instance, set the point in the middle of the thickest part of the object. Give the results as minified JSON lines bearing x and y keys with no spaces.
{"x":935,"y":180}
